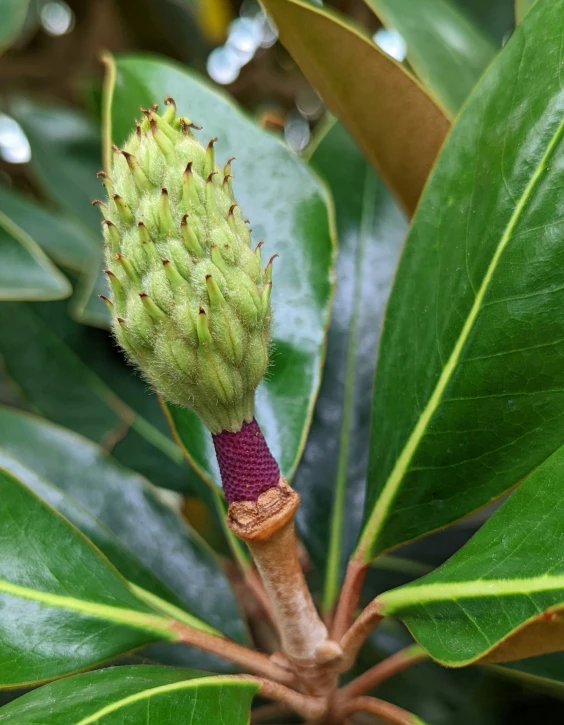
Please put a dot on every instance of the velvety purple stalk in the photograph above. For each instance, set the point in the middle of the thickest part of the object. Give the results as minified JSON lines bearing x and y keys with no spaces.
{"x":246,"y":463}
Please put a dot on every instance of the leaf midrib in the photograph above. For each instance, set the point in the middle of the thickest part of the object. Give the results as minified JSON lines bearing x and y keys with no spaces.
{"x":377,"y":518}
{"x":423,"y":594}
{"x":119,"y":615}
{"x":152,"y":692}
{"x":331,"y":589}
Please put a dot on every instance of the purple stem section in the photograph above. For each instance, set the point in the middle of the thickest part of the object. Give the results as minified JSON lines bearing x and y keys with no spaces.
{"x":246,"y":463}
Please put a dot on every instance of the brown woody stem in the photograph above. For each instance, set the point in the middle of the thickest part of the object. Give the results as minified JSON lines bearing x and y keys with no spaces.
{"x":385,"y":710}
{"x":253,"y":581}
{"x":267,"y":525}
{"x":355,"y":636}
{"x":348,"y":601}
{"x":247,"y":658}
{"x":381,"y":672}
{"x":305,"y":705}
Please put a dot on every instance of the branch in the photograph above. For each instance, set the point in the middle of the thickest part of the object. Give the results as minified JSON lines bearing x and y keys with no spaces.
{"x":348,"y":601}
{"x":267,"y":526}
{"x":307,"y":706}
{"x":251,"y":660}
{"x":391,"y":713}
{"x":383,"y":671}
{"x":354,"y":637}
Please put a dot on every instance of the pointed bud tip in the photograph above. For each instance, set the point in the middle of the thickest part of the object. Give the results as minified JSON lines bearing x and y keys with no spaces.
{"x":212,"y":141}
{"x":210,"y":176}
{"x":101,"y":175}
{"x":164,"y":191}
{"x":232,"y":209}
{"x":97,"y":202}
{"x":169,"y":101}
{"x":165,"y":262}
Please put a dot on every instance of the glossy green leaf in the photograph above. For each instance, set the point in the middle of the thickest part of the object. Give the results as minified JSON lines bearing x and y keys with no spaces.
{"x":544,"y":672}
{"x":12,"y":17}
{"x":396,"y":124}
{"x":501,"y":597}
{"x":287,"y":207}
{"x":444,"y":47}
{"x":66,"y":154}
{"x":522,"y":7}
{"x":133,"y":694}
{"x":332,"y":475}
{"x":176,"y":564}
{"x":68,"y":243}
{"x":25,"y":272}
{"x":74,"y":376}
{"x":142,"y":581}
{"x":469,"y":384}
{"x":53,"y":581}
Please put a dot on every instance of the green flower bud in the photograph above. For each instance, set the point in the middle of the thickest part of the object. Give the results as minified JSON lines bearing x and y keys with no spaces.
{"x":190,"y":301}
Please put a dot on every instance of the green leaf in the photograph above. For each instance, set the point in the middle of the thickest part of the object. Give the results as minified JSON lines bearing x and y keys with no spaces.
{"x":66,"y":376}
{"x":66,"y":154}
{"x":13,"y":13}
{"x":65,"y":241}
{"x":287,"y":207}
{"x":396,"y":124}
{"x":181,"y":567}
{"x":501,"y":597}
{"x":469,"y":384}
{"x":522,"y":7}
{"x":25,"y":272}
{"x":371,"y":229}
{"x":52,"y":580}
{"x":444,"y":47}
{"x":545,"y":672}
{"x":135,"y":694}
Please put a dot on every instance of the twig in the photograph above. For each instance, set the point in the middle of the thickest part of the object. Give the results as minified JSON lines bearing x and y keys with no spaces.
{"x":267,"y":526}
{"x":387,"y":711}
{"x":354,"y":637}
{"x":253,"y":661}
{"x":350,"y":594}
{"x":383,"y":671}
{"x":307,"y":706}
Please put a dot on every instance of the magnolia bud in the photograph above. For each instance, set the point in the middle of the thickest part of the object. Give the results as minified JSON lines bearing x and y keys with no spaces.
{"x":190,"y":301}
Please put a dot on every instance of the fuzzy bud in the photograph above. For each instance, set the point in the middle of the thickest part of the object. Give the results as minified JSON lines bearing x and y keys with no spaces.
{"x":190,"y":301}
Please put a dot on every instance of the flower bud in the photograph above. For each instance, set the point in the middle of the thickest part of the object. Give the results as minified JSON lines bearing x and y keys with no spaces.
{"x":190,"y":301}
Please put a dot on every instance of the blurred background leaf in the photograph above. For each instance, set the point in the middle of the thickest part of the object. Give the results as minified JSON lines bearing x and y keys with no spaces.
{"x":444,"y":47}
{"x":371,"y":229}
{"x":25,"y":272}
{"x":397,"y":125}
{"x":12,"y":15}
